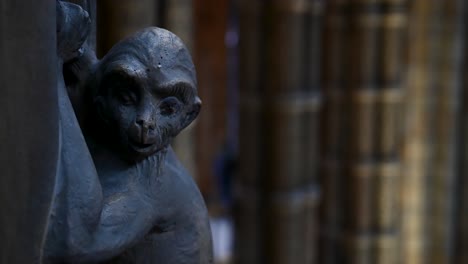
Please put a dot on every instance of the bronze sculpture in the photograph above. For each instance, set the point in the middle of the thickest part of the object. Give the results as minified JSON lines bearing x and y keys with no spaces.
{"x":121,"y":195}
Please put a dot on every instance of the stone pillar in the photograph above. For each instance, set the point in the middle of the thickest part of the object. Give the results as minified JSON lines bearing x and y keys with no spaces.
{"x":29,"y":126}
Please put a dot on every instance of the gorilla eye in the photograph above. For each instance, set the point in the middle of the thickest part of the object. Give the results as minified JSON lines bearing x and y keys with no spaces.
{"x":126,"y":97}
{"x":169,"y":106}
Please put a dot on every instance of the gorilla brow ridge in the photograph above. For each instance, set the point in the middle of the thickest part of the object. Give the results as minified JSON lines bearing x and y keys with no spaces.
{"x":138,"y":48}
{"x":182,"y":90}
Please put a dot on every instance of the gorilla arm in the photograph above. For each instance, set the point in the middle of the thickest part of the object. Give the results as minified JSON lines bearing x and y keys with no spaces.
{"x":81,"y":226}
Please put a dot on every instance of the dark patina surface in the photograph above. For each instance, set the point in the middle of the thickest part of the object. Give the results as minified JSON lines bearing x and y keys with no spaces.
{"x":121,"y":195}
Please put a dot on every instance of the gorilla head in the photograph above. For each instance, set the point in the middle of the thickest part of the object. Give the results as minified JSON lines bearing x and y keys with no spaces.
{"x":144,"y":93}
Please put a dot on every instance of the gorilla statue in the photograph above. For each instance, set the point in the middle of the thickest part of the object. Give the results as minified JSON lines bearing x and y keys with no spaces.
{"x":121,"y":195}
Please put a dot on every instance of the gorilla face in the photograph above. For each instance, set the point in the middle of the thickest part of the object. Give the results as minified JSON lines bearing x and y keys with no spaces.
{"x":144,"y":100}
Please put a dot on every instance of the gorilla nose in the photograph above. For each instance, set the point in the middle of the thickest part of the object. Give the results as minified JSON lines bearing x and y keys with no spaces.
{"x":145,"y":124}
{"x":144,"y":131}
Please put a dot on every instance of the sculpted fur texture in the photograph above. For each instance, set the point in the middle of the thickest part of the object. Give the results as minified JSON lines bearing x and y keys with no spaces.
{"x":121,"y":195}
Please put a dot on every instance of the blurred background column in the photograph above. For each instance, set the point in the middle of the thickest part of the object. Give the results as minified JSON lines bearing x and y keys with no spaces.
{"x":391,"y":79}
{"x":419,"y":111}
{"x":29,"y":126}
{"x":447,"y":77}
{"x":277,"y":188}
{"x":364,"y":74}
{"x":461,"y":210}
{"x":118,"y":19}
{"x":433,"y":118}
{"x":332,"y":133}
{"x":210,"y":25}
{"x":433,"y":125}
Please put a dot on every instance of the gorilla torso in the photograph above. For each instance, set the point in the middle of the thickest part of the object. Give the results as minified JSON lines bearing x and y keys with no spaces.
{"x":174,"y":204}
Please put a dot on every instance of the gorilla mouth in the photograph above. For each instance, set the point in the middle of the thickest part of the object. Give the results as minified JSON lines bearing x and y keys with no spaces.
{"x":141,"y":146}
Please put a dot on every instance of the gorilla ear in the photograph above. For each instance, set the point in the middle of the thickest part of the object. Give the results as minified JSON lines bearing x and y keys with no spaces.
{"x":191,"y":113}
